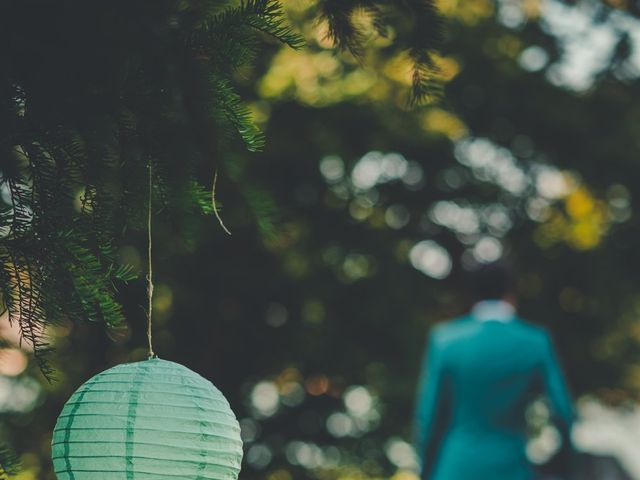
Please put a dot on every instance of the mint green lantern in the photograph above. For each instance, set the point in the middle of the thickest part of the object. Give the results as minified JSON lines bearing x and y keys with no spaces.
{"x":149,"y":420}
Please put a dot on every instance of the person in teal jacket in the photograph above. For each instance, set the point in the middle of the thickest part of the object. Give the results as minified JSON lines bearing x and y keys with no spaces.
{"x":480,"y":373}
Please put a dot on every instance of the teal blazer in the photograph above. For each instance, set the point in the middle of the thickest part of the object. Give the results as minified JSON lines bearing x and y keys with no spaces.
{"x":478,"y":379}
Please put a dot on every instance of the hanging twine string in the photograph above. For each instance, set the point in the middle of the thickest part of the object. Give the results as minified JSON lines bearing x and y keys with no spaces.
{"x":150,"y":268}
{"x":215,"y":205}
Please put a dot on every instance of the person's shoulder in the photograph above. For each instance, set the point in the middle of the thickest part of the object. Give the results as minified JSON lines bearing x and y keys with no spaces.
{"x":451,"y":329}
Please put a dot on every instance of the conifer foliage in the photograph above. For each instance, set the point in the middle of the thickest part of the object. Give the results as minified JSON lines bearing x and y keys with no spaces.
{"x":92,"y":95}
{"x":416,"y":26}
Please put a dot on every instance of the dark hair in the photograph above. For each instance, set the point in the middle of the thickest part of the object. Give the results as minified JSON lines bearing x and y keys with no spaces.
{"x":490,"y":281}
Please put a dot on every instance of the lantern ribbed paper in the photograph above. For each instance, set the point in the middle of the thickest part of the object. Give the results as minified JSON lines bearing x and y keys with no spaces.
{"x":148,"y":420}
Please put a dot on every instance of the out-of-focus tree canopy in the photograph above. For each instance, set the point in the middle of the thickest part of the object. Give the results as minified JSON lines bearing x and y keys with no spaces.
{"x":315,"y":328}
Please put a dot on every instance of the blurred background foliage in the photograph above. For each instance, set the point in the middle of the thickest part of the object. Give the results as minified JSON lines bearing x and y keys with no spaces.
{"x":312,"y":319}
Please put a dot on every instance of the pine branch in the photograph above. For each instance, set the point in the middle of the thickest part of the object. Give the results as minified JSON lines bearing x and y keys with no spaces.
{"x":343,"y":32}
{"x":421,"y":38}
{"x":265,"y":16}
{"x":75,"y":140}
{"x":228,"y":103}
{"x":424,"y":38}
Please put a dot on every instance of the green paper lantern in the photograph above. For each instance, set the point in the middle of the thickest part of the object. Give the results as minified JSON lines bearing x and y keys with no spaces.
{"x":148,"y":420}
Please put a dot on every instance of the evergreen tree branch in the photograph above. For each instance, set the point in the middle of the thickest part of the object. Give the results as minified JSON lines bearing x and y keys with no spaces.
{"x":419,"y":32}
